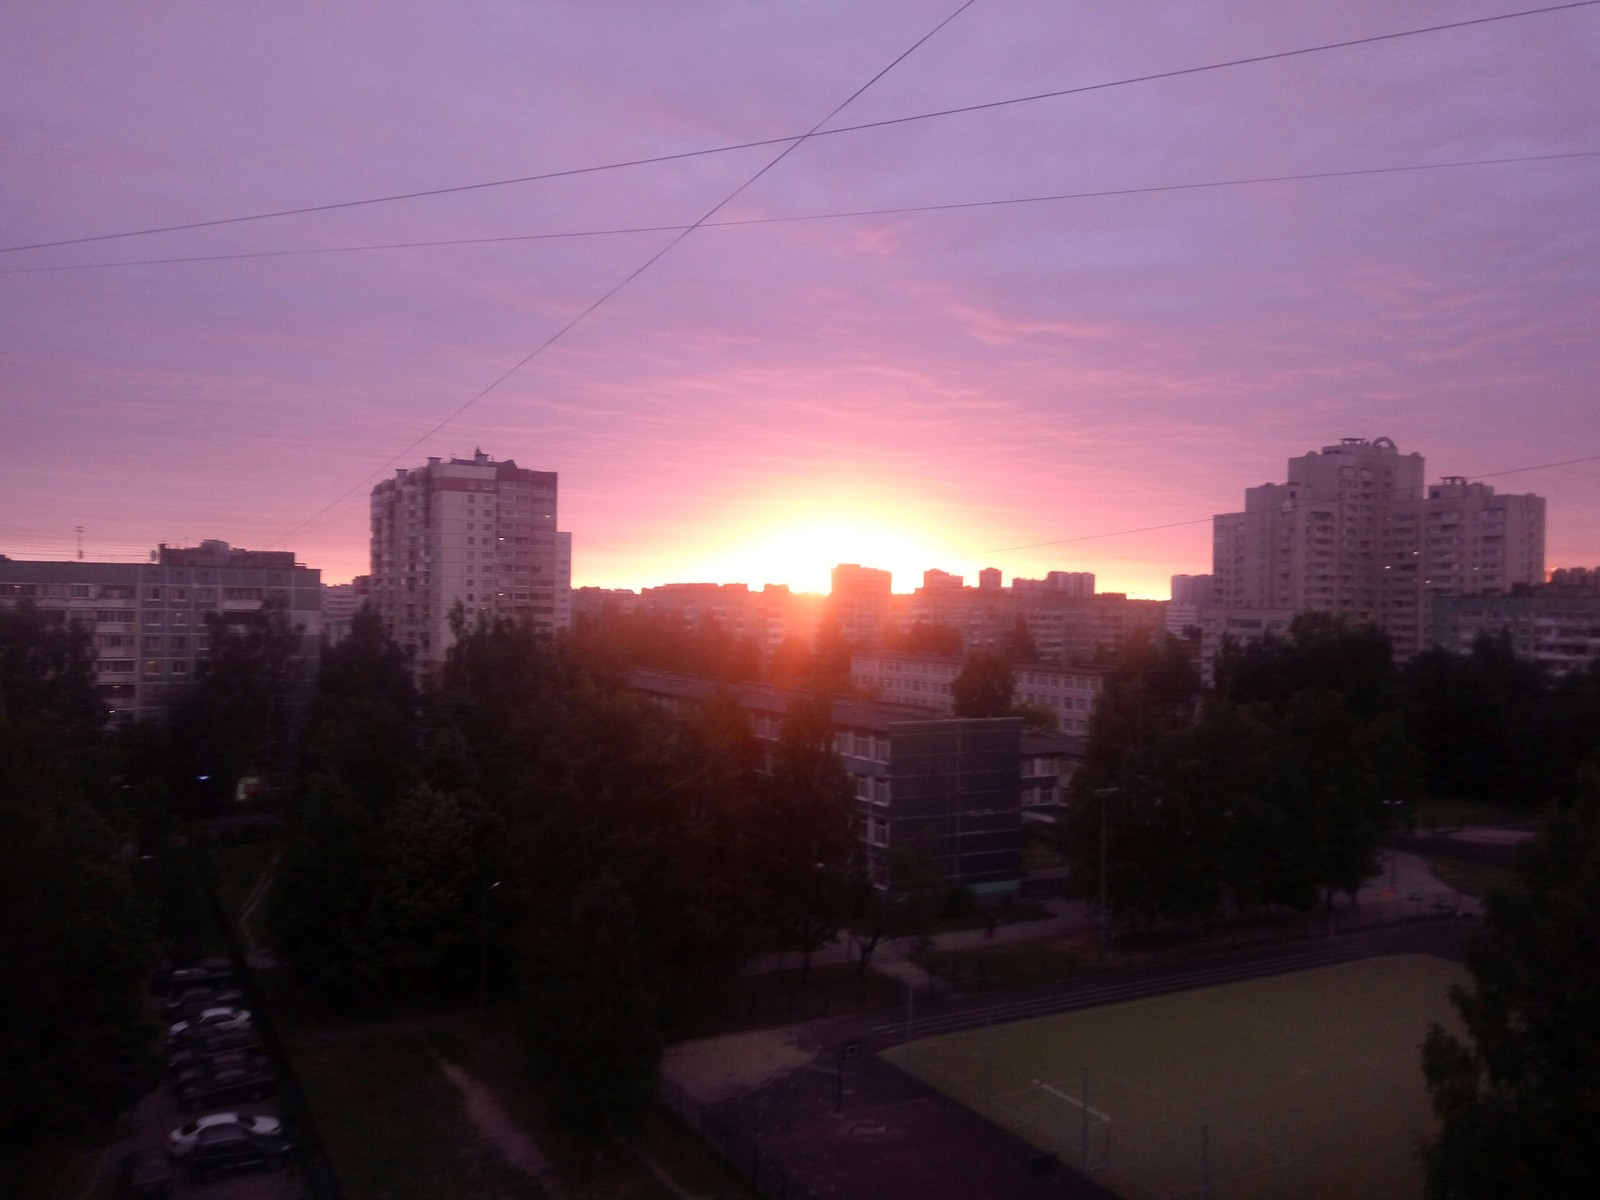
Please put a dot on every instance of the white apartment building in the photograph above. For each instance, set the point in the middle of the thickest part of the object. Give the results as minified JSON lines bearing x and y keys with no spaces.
{"x":148,"y":620}
{"x":925,"y":681}
{"x":1354,"y":534}
{"x":1319,"y":542}
{"x":472,"y":531}
{"x":1461,"y":539}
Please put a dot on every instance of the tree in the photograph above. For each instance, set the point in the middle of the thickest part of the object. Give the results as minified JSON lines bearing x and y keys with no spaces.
{"x":907,"y":907}
{"x":75,"y":938}
{"x":1518,"y":1102}
{"x":239,"y":716}
{"x":1486,"y":724}
{"x":984,"y":686}
{"x":928,"y":637}
{"x":362,"y":755}
{"x":807,"y":836}
{"x":1020,"y":646}
{"x":588,"y":1012}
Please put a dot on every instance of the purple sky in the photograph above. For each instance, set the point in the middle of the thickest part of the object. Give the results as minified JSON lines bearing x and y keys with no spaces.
{"x":906,"y":391}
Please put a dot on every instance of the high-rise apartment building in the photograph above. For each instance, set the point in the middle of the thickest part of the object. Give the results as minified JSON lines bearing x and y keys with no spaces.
{"x":1353,"y":533}
{"x":1461,"y":539}
{"x":1319,"y":542}
{"x":859,"y":601}
{"x":468,"y":531}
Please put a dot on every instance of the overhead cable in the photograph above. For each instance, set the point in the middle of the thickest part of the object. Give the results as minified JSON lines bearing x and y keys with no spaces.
{"x":1152,"y":77}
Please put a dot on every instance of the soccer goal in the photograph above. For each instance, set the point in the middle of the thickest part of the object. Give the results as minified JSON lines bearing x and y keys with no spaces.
{"x":1070,"y":1120}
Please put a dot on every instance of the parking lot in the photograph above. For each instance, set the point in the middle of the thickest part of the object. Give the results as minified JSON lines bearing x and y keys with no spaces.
{"x":148,"y":1128}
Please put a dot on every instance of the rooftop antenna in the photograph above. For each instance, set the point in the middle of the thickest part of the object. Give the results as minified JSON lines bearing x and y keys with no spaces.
{"x":79,"y":528}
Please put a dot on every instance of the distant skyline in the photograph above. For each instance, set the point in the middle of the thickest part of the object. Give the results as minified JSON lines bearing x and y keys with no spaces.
{"x":909,"y":391}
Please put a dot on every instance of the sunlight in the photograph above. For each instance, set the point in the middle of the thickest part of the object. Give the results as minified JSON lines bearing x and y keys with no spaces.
{"x":800,"y":547}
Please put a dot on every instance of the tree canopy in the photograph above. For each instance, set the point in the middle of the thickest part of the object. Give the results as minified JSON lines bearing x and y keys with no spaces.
{"x":1518,"y":1098}
{"x":75,"y":937}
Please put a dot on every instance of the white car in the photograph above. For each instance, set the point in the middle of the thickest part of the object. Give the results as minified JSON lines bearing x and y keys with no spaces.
{"x":212,"y":1018}
{"x":182,"y":1139}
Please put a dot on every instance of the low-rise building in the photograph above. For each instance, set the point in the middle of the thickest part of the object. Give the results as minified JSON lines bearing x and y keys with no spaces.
{"x":951,"y":788}
{"x":925,"y":681}
{"x":1550,"y":626}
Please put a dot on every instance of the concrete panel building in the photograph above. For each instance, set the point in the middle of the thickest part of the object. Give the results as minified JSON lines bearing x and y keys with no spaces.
{"x":148,"y":620}
{"x":953,"y":789}
{"x":468,"y":531}
{"x":1354,"y":534}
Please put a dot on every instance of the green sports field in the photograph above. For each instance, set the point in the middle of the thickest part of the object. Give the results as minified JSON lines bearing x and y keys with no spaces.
{"x":1305,"y":1085}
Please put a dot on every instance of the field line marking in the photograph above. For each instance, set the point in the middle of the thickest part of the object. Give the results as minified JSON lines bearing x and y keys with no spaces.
{"x":1089,"y":1108}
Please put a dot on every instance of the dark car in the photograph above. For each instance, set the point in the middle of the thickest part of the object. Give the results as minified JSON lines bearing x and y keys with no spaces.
{"x":185,"y":1055}
{"x":228,"y":1148}
{"x":226,"y":1087}
{"x":144,"y":1174}
{"x":178,"y":979}
{"x":185,"y":1070}
{"x":192,"y":1001}
{"x":210,"y":1038}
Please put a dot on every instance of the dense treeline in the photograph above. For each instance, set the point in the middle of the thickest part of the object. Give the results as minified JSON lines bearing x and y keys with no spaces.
{"x":1278,"y":786}
{"x":532,"y":828}
{"x":76,"y":939}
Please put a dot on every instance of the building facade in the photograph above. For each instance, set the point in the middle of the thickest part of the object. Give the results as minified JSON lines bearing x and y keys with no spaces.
{"x":467,"y":531}
{"x":925,"y":681}
{"x":859,"y":601}
{"x":148,"y":620}
{"x":953,"y":789}
{"x":1354,"y":534}
{"x":1556,"y":627}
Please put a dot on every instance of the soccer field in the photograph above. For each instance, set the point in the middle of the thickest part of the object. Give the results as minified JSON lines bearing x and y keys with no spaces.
{"x":1306,"y":1085}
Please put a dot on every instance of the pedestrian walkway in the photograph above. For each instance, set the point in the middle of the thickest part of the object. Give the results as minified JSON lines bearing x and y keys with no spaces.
{"x":1404,"y":887}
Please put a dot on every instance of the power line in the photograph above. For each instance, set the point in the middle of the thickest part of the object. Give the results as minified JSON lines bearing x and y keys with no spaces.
{"x":627,"y":279}
{"x":797,"y":138}
{"x":1091,"y":537}
{"x":898,"y":210}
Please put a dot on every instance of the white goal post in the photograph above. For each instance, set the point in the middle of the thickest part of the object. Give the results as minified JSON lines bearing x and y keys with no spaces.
{"x":1085,"y":1129}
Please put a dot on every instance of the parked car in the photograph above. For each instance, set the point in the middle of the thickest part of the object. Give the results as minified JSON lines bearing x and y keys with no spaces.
{"x":187,"y":1004}
{"x":191,"y":1052}
{"x":225,"y":1149}
{"x":220,"y":1018}
{"x":213,"y":972}
{"x":228,"y":1086}
{"x":186,"y":1066}
{"x":182,"y":1139}
{"x":177,"y":979}
{"x":144,"y":1175}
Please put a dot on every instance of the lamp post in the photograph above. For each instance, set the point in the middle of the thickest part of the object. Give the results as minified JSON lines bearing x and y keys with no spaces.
{"x":483,"y":944}
{"x":1104,"y":794}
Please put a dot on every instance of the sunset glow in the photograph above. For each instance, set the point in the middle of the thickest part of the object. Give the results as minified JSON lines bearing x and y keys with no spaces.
{"x":773,"y":396}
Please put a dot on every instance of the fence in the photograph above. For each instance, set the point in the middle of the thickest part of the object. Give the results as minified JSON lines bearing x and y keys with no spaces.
{"x":739,"y":1148}
{"x":1025,"y":964}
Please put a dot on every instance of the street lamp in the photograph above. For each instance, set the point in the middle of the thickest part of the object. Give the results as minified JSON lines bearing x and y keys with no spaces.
{"x":1104,"y":794}
{"x":483,"y":944}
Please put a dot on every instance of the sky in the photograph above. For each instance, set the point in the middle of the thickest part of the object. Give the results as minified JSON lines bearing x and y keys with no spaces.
{"x":1069,"y":384}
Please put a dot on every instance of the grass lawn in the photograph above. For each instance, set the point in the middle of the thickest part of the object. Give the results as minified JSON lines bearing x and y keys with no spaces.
{"x":398,"y":1129}
{"x":1434,"y":814}
{"x":1306,"y":1085}
{"x":1470,"y":878}
{"x":395,"y":1126}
